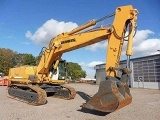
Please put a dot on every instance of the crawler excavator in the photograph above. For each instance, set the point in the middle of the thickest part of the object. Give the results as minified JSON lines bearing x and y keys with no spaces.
{"x":31,"y":84}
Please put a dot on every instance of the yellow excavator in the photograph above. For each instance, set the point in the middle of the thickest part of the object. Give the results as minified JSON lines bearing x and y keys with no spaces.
{"x":32,"y":84}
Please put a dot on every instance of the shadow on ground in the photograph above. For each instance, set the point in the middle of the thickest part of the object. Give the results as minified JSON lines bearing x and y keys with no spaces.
{"x":94,"y":112}
{"x":86,"y":97}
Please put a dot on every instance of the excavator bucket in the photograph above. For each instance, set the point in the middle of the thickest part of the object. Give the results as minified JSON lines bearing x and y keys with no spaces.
{"x":112,"y":95}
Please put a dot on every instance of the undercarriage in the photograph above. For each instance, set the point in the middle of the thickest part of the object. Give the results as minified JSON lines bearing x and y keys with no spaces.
{"x":36,"y":94}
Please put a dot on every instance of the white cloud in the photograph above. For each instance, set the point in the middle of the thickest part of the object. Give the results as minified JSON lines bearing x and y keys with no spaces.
{"x":82,"y":64}
{"x":94,"y":63}
{"x":89,"y":68}
{"x":147,"y":47}
{"x":143,"y":44}
{"x":141,"y":35}
{"x":49,"y":30}
{"x":96,"y":46}
{"x":91,"y":64}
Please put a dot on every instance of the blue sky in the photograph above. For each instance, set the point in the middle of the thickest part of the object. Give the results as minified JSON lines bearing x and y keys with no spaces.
{"x":24,"y":22}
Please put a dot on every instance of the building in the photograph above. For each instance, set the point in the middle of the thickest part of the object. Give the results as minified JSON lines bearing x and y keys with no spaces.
{"x":145,"y":72}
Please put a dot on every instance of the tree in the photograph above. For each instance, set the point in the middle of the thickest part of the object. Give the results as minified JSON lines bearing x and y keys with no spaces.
{"x":75,"y":71}
{"x":18,"y":59}
{"x":9,"y":59}
{"x":29,"y":59}
{"x":24,"y":59}
{"x":6,"y":57}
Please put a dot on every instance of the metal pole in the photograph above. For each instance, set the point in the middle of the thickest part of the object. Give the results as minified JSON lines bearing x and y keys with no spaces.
{"x":128,"y":61}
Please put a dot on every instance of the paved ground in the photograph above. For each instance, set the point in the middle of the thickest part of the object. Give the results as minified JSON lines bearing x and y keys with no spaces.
{"x":145,"y":106}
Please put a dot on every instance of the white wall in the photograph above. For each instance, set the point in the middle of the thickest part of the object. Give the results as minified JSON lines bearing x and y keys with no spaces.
{"x":151,"y":85}
{"x":100,"y":75}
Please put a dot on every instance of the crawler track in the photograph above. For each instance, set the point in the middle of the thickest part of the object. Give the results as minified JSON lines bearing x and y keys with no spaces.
{"x":71,"y":94}
{"x":29,"y":94}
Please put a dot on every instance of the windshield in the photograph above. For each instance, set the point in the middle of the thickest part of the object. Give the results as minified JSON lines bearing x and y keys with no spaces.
{"x":62,"y":70}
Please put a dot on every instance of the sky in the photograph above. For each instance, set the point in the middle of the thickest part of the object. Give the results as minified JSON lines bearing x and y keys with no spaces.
{"x":28,"y":25}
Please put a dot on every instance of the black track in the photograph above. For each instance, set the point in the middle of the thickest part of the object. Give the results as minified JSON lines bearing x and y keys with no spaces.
{"x":22,"y":94}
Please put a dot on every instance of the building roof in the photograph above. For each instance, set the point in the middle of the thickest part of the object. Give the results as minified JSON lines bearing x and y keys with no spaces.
{"x":144,"y":57}
{"x":156,"y":56}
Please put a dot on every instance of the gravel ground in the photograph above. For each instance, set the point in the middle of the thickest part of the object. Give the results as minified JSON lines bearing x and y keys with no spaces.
{"x":145,"y":106}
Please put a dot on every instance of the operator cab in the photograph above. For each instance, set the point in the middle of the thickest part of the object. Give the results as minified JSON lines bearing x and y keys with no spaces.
{"x":60,"y":72}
